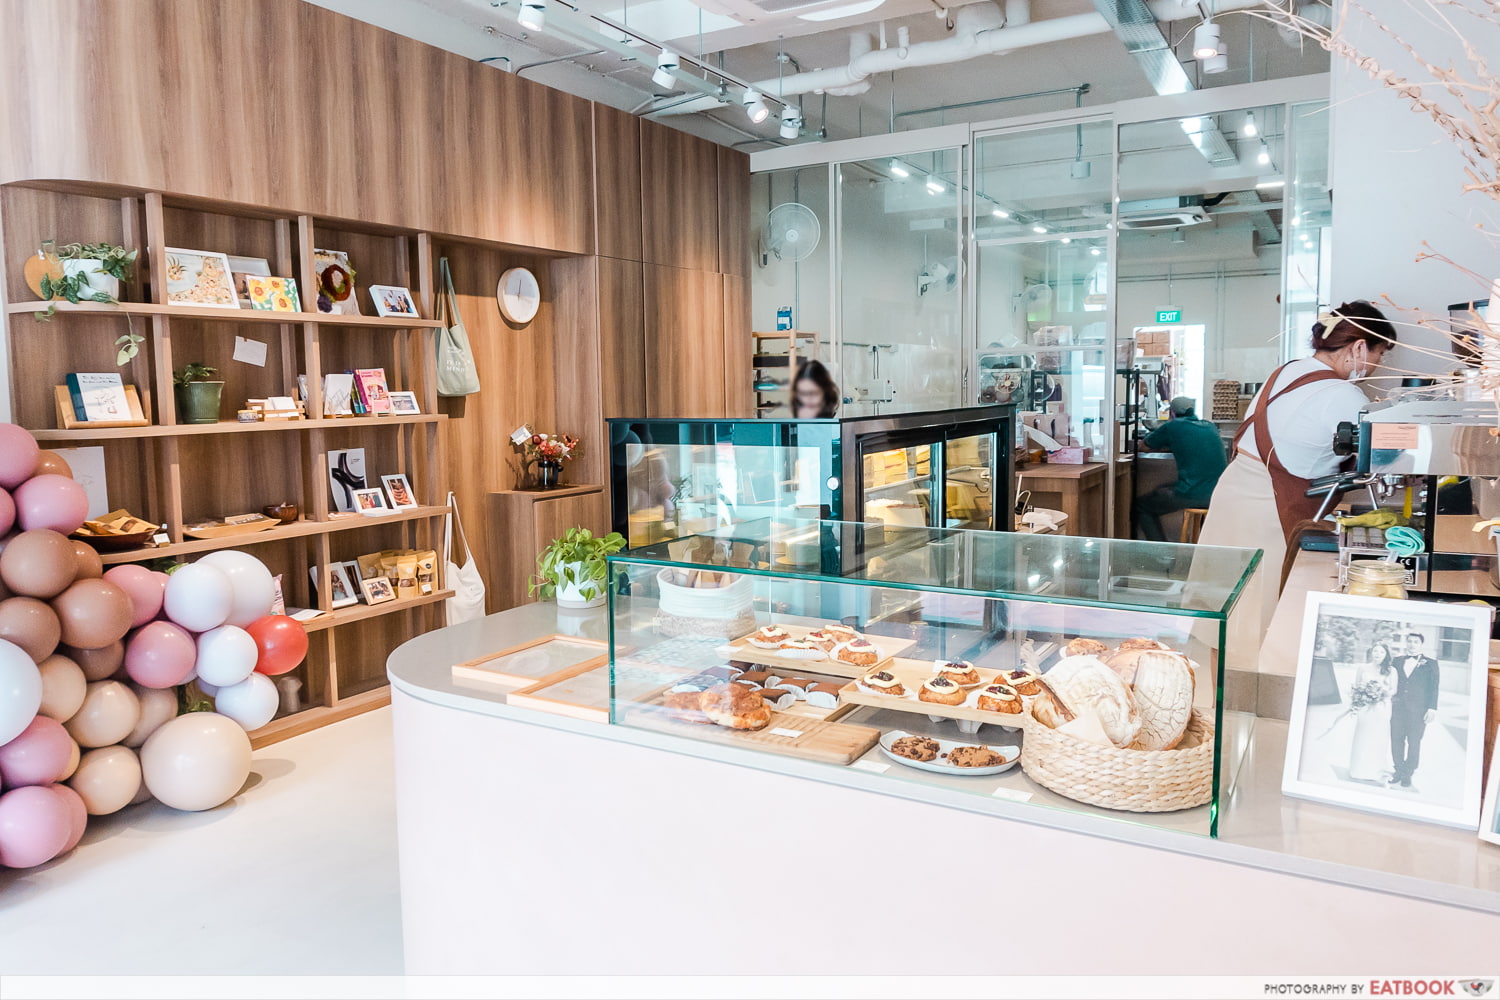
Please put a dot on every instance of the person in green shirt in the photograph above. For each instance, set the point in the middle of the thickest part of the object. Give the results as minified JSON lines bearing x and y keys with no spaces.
{"x":1199,"y":452}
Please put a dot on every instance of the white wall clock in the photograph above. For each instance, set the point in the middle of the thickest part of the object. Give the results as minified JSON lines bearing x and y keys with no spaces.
{"x":519,"y":295}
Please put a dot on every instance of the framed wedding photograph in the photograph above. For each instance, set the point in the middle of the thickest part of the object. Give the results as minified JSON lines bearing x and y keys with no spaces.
{"x":1489,"y":816}
{"x":200,"y":278}
{"x":393,"y":300}
{"x":404,"y":402}
{"x":399,"y":490}
{"x":371,"y":502}
{"x":1388,"y":707}
{"x":341,"y":587}
{"x":378,"y":590}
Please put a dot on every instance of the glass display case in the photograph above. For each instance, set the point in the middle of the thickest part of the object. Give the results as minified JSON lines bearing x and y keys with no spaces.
{"x":1072,"y":672}
{"x":675,"y":478}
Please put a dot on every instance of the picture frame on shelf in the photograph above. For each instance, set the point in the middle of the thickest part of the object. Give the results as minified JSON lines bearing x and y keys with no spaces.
{"x":342,"y":590}
{"x":393,"y":300}
{"x":346,"y":476}
{"x":404,"y":402}
{"x":371,"y":502}
{"x":273,"y":294}
{"x":1489,"y":815}
{"x":400,"y":493}
{"x":377,"y":590}
{"x":1384,"y":707}
{"x":336,"y":292}
{"x":200,"y":278}
{"x":243,"y":268}
{"x":351,"y":570}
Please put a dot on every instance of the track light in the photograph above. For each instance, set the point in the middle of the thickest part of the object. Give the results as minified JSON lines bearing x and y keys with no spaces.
{"x":1206,"y":40}
{"x":533,"y":14}
{"x":1216,"y":64}
{"x":755,"y":108}
{"x":1000,"y":213}
{"x":1264,"y":156}
{"x":666,"y":69}
{"x":897,"y":170}
{"x":1038,"y":228}
{"x":935,"y":186}
{"x":791,"y":122}
{"x":1250,"y":129}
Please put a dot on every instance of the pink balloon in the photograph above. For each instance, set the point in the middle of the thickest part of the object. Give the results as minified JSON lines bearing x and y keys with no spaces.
{"x":7,"y":512}
{"x":145,"y":588}
{"x":55,"y":502}
{"x":39,"y":756}
{"x":18,"y":451}
{"x":160,"y":655}
{"x":34,"y":826}
{"x":78,"y":815}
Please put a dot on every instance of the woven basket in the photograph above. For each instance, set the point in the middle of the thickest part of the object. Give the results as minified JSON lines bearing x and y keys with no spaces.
{"x":1130,"y":780}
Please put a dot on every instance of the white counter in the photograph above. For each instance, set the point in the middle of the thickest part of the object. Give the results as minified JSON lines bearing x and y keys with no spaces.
{"x":534,"y":843}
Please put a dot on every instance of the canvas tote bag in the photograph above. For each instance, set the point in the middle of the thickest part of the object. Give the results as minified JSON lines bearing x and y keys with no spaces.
{"x":467,"y":602}
{"x":457,"y":375}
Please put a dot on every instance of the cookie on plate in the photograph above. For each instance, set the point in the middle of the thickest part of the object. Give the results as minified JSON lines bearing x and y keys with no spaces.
{"x":974,"y":757}
{"x":916,"y":748}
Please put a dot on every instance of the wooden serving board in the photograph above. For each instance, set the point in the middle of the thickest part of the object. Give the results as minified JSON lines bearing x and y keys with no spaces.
{"x":818,"y":739}
{"x":535,"y":661}
{"x":912,"y":674}
{"x":740,"y":650}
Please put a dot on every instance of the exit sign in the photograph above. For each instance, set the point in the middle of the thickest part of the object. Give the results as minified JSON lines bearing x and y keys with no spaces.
{"x":1169,"y":315}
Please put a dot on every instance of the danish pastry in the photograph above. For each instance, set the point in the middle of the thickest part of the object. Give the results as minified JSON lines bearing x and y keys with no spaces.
{"x":882,"y":682}
{"x":957,"y":671}
{"x":974,"y":757}
{"x":734,"y":706}
{"x":858,"y":652}
{"x":800,"y":649}
{"x":916,"y":748}
{"x":940,"y":690}
{"x":823,"y":639}
{"x":768,"y":637}
{"x":1024,"y":681}
{"x":1000,"y":698}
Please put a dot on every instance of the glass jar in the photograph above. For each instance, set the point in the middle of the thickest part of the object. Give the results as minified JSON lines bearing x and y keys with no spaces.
{"x":1376,"y":578}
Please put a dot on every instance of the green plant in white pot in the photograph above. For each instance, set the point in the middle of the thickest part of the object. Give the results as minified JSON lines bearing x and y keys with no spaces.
{"x":573,"y":568}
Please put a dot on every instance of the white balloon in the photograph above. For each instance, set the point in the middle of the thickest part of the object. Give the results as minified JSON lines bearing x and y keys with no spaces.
{"x":252,"y":702}
{"x":158,"y":705}
{"x":226,"y":655}
{"x":20,"y":691}
{"x":207,"y":688}
{"x":254,"y":588}
{"x":199,"y":597}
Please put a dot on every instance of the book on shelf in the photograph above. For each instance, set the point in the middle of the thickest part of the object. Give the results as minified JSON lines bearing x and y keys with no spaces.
{"x":98,"y":396}
{"x":338,"y":392}
{"x":373,"y":391}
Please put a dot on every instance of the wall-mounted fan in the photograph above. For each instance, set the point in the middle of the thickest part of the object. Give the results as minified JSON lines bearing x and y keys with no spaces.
{"x":791,"y":233}
{"x":940,"y":276}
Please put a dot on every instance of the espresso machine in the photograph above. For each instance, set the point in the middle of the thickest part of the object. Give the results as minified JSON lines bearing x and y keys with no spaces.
{"x":1413,"y":459}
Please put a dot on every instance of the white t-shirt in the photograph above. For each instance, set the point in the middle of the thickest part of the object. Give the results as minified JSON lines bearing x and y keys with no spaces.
{"x":1303,"y":421}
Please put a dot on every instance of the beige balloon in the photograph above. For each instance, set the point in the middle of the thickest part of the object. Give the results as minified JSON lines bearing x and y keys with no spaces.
{"x":109,"y":712}
{"x":144,"y":795}
{"x":107,"y":779}
{"x":63,"y":687}
{"x":97,"y":664}
{"x":157,"y":706}
{"x":74,"y":756}
{"x":196,"y":761}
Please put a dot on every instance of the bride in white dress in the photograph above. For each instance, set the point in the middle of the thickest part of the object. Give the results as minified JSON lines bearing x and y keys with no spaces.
{"x":1370,"y":750}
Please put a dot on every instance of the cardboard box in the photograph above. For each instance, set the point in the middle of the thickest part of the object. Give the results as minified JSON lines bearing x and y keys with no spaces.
{"x":1071,"y":455}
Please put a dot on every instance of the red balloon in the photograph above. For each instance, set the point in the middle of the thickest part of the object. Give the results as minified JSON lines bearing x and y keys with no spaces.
{"x":282,"y":643}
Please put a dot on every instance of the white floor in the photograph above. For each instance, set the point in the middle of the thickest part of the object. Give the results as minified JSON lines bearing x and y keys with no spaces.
{"x":295,"y":876}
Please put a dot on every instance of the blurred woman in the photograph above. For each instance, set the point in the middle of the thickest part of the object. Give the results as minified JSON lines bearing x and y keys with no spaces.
{"x":1370,"y":750}
{"x":813,"y":393}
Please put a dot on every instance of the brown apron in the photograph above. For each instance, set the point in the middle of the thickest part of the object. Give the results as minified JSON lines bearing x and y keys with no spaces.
{"x":1292,"y":502}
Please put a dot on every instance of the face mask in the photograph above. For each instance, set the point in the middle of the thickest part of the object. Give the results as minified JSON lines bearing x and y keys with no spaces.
{"x":1361,"y":368}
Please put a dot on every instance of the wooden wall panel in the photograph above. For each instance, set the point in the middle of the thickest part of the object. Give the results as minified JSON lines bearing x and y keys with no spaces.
{"x":617,"y":183}
{"x":622,"y":338}
{"x":576,"y":359}
{"x":734,"y":212}
{"x":679,"y":198}
{"x":524,"y":524}
{"x":739,"y":377}
{"x":684,"y":348}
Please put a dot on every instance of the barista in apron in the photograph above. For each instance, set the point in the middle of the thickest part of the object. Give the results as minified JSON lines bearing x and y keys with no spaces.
{"x":1286,"y":442}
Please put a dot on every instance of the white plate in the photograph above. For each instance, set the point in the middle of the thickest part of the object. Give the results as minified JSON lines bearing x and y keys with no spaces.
{"x":1011,"y":753}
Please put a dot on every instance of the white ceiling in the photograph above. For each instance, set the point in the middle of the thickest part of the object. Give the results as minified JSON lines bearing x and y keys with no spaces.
{"x":488,"y":29}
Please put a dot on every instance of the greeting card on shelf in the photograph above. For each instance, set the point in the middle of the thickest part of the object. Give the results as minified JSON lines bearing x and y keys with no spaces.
{"x":67,"y":418}
{"x":346,"y":475}
{"x":274,"y":294}
{"x":98,"y":396}
{"x":372,"y":390}
{"x":338,"y":391}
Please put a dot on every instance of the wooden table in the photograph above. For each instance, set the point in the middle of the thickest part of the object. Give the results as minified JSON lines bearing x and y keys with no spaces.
{"x":1080,"y":491}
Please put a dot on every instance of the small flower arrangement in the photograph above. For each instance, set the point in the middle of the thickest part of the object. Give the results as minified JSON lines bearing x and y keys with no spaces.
{"x":549,"y":449}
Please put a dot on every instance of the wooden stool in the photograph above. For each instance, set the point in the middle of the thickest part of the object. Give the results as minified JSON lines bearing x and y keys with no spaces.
{"x":1192,"y":523}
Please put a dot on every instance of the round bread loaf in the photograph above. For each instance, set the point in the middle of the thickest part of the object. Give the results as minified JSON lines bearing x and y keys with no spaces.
{"x":1163,"y":692}
{"x":1083,"y":686}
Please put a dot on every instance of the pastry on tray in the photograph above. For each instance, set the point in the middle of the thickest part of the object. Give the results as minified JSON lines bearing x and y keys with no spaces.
{"x":974,"y":757}
{"x":1141,"y":643}
{"x":857,"y":652}
{"x":916,"y":748}
{"x":823,"y":639}
{"x":768,"y":637}
{"x":779,"y":698}
{"x":684,"y":700}
{"x":941,"y":691}
{"x":842,"y":633}
{"x":823,"y":694}
{"x":882,"y":682}
{"x":734,"y":706}
{"x":722,"y":673}
{"x":1000,"y":698}
{"x":1086,"y":647}
{"x":800,"y":649}
{"x":755,"y":678}
{"x":798,"y":685}
{"x":1026,"y":682}
{"x":957,"y":671}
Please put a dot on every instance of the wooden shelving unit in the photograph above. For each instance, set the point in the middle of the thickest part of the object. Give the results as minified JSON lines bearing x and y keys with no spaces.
{"x":178,"y":474}
{"x":778,"y":366}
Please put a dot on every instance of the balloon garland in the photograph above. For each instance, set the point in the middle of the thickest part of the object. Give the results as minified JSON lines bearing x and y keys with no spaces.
{"x":126,"y":684}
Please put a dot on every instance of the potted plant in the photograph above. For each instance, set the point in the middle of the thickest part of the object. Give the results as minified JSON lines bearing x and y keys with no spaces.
{"x":573,"y":569}
{"x":197,"y":393}
{"x":90,"y":272}
{"x":548,"y":452}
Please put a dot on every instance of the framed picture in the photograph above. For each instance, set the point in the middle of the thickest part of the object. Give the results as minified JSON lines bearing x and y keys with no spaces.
{"x":335,"y":283}
{"x":242,"y":268}
{"x":351,"y":569}
{"x":275,"y":294}
{"x":346,"y":475}
{"x":393,"y":300}
{"x":377,"y":590}
{"x":342,"y":588}
{"x":404,"y":402}
{"x":371,"y":501}
{"x":1489,"y":817}
{"x":399,"y":490}
{"x":200,"y":278}
{"x":1386,"y":707}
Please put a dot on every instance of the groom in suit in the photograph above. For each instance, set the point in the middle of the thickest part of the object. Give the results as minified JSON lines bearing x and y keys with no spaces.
{"x":1413,"y":706}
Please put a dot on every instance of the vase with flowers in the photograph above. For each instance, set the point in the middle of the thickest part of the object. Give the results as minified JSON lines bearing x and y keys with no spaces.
{"x":548,"y":452}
